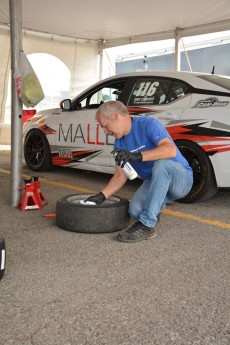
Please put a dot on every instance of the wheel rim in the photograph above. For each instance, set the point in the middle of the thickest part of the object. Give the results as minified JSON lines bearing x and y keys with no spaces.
{"x":195,"y":163}
{"x":35,"y":150}
{"x":76,"y":199}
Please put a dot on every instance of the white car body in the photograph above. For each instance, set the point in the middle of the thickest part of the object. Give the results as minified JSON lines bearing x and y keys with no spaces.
{"x":194,"y":107}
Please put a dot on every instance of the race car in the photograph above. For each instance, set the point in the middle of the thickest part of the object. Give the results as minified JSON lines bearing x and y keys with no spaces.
{"x":194,"y":107}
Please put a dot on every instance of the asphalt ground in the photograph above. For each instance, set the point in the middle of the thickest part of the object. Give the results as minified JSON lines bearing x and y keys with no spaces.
{"x":68,"y":288}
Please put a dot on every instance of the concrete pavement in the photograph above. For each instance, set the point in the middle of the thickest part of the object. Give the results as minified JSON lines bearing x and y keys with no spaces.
{"x":64,"y":288}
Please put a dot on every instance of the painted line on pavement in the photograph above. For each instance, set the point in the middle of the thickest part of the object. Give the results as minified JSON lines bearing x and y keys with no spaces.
{"x":5,"y":171}
{"x":56,"y":183}
{"x":198,"y":219}
{"x":67,"y":186}
{"x":188,"y":216}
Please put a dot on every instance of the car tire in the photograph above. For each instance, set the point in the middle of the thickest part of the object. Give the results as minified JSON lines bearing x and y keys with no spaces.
{"x":204,"y":185}
{"x":37,"y":151}
{"x":112,"y":215}
{"x":2,"y":257}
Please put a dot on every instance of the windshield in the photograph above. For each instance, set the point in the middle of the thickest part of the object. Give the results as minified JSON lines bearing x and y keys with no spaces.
{"x":218,"y":80}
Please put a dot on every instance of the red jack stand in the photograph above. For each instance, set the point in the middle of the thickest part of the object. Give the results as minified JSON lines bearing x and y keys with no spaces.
{"x":40,"y":197}
{"x":29,"y":200}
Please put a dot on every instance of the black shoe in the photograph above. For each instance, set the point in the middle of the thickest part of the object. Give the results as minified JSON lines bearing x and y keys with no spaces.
{"x":136,"y":233}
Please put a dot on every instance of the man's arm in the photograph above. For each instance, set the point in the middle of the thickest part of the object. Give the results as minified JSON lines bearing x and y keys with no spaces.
{"x":164,"y":150}
{"x":116,"y":182}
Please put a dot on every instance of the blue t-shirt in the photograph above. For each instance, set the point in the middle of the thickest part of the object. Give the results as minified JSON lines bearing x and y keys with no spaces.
{"x":144,"y":135}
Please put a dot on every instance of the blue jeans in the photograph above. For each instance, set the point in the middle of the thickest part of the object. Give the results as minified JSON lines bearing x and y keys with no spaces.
{"x":170,"y":181}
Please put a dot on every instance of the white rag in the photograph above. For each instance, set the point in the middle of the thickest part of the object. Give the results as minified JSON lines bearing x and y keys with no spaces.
{"x":84,"y":202}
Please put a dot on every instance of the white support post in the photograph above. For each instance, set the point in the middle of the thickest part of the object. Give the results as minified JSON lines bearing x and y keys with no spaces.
{"x":100,"y":53}
{"x":16,"y":104}
{"x":177,"y":55}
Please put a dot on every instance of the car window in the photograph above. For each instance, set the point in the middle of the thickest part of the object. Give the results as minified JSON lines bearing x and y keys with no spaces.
{"x":109,"y":92}
{"x":178,"y":89}
{"x":156,"y":91}
{"x":148,"y":91}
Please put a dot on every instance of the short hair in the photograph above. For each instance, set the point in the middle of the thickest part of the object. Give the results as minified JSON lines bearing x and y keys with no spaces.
{"x":108,"y":108}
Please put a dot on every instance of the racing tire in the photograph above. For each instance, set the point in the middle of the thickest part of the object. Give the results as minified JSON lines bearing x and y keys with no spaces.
{"x":2,"y":257}
{"x":112,"y":215}
{"x":204,"y":184}
{"x":37,"y":151}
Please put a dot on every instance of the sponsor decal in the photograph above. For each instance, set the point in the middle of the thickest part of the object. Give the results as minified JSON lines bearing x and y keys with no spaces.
{"x":67,"y":156}
{"x":210,"y":102}
{"x":65,"y":153}
{"x":90,"y":136}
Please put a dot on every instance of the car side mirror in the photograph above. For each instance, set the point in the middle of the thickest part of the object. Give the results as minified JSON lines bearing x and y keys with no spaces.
{"x":65,"y":104}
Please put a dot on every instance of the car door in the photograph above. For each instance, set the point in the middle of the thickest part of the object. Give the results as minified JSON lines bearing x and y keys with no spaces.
{"x":159,"y":97}
{"x":79,"y":135}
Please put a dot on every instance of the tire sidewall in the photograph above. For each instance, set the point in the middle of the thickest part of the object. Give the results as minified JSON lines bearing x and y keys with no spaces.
{"x":2,"y":257}
{"x":101,"y":218}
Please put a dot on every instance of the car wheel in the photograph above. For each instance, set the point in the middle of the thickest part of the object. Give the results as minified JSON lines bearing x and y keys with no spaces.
{"x":204,"y":185}
{"x":37,"y":151}
{"x":2,"y":257}
{"x":112,"y":215}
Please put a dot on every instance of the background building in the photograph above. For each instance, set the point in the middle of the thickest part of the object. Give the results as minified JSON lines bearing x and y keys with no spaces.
{"x":192,"y":59}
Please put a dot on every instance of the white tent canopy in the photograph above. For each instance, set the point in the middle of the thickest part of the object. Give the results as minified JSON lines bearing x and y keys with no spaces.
{"x":122,"y":21}
{"x":77,"y":31}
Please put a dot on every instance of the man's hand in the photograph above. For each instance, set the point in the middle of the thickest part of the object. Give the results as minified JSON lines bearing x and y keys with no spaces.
{"x":123,"y":156}
{"x":98,"y":198}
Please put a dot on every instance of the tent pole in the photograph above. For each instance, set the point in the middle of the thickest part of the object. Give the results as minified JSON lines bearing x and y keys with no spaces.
{"x":177,"y":56}
{"x":16,"y":104}
{"x":100,"y":53}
